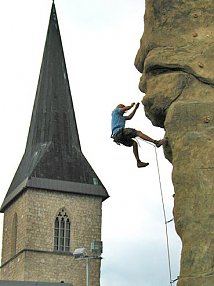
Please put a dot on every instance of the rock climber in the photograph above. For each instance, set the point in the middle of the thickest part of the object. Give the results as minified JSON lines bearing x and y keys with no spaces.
{"x":122,"y":135}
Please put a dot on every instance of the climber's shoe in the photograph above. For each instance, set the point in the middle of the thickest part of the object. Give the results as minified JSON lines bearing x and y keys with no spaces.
{"x":158,"y":143}
{"x":141,"y":164}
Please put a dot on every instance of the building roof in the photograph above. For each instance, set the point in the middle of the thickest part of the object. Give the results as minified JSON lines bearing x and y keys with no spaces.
{"x":53,"y":159}
{"x":28,"y":283}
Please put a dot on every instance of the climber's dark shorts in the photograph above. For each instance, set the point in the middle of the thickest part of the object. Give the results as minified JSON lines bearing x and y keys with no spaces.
{"x":124,"y":136}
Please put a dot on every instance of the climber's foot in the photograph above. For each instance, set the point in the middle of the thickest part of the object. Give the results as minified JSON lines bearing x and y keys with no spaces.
{"x":141,"y":164}
{"x":158,"y":143}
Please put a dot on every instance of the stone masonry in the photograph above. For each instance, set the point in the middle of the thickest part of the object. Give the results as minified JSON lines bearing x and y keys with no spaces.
{"x":35,"y":259}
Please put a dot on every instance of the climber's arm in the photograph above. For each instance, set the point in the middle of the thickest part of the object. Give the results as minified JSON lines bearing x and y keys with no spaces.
{"x":128,"y":117}
{"x":126,"y":108}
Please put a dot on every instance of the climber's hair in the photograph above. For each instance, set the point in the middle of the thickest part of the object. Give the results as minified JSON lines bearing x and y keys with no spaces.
{"x":120,"y":105}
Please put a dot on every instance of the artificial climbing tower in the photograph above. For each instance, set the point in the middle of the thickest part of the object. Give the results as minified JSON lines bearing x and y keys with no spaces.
{"x":176,"y":61}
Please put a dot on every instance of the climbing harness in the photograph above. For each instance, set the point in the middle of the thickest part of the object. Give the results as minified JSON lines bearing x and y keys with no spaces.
{"x":117,"y":138}
{"x":124,"y":136}
{"x":172,"y":281}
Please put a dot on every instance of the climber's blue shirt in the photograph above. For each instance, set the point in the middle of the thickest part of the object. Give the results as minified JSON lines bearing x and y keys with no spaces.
{"x":117,"y":121}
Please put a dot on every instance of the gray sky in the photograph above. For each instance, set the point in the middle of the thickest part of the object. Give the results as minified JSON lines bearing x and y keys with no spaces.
{"x":100,"y":40}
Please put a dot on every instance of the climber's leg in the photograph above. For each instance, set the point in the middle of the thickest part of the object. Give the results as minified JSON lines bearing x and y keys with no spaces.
{"x":136,"y":154}
{"x":145,"y":137}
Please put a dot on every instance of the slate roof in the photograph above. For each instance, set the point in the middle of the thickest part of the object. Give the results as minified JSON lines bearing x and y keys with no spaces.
{"x":53,"y":159}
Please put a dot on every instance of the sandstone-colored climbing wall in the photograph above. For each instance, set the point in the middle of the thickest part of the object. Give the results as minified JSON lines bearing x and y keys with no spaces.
{"x":176,"y":59}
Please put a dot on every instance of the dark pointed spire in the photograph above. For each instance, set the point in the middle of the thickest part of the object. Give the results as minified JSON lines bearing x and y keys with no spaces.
{"x":53,"y":159}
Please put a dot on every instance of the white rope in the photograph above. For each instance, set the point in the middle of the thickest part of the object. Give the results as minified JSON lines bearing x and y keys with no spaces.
{"x":164,"y":214}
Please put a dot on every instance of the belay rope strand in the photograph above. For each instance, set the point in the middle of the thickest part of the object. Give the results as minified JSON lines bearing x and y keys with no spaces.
{"x":164,"y":214}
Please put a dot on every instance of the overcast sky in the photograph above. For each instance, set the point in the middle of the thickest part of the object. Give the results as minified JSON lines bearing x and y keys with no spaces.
{"x":100,"y":40}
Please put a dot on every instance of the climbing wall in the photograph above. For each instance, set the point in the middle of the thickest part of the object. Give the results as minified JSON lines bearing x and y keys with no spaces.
{"x":176,"y":61}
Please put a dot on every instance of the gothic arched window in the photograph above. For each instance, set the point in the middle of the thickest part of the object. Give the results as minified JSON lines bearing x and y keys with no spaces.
{"x":62,"y":229}
{"x":14,"y":234}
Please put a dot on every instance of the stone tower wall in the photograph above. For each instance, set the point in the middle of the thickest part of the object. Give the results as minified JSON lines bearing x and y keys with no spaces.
{"x":36,"y":212}
{"x":19,"y":208}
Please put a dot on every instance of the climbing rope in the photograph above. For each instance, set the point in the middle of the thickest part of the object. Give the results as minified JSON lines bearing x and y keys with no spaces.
{"x":164,"y":214}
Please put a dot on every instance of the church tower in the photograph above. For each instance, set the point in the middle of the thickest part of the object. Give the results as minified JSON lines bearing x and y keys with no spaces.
{"x":54,"y":203}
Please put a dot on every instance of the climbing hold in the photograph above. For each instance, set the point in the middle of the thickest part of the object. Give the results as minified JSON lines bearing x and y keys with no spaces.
{"x":194,"y":34}
{"x":206,"y":119}
{"x":195,"y":15}
{"x":200,"y":65}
